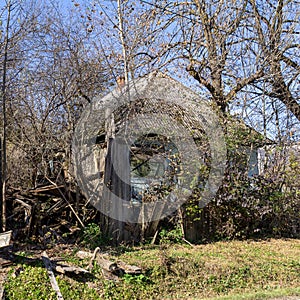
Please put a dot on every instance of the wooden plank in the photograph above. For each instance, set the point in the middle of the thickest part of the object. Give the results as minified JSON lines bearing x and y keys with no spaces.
{"x":5,"y":263}
{"x":48,"y":189}
{"x":3,"y":275}
{"x":52,"y":278}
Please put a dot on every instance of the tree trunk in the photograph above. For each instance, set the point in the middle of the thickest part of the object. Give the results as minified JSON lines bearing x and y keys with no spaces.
{"x":4,"y":116}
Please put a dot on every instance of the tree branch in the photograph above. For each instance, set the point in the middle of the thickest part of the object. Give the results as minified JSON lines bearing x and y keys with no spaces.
{"x":242,"y":83}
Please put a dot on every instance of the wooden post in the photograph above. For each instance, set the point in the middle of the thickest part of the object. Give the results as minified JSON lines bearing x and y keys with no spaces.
{"x":116,"y":180}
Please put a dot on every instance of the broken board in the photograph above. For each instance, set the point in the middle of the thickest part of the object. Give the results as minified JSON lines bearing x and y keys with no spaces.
{"x":5,"y":238}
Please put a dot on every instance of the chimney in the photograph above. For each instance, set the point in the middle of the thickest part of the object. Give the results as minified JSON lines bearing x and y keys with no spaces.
{"x":121,"y":82}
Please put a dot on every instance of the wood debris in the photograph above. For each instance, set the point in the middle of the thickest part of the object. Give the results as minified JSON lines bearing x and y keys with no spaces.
{"x":52,"y":278}
{"x":110,"y":270}
{"x":53,"y":189}
{"x":5,"y":238}
{"x":109,"y":266}
{"x":65,"y":269}
{"x":5,"y":263}
{"x":51,"y":210}
{"x":129,"y":269}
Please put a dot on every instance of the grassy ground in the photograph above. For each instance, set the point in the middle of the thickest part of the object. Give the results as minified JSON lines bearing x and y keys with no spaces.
{"x":222,"y":270}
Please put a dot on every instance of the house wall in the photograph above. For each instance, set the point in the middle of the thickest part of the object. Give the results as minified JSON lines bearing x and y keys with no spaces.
{"x":272,"y":156}
{"x":245,"y":159}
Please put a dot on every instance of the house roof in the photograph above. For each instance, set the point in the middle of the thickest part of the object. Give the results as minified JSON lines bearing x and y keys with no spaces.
{"x":157,"y":94}
{"x":239,"y":133}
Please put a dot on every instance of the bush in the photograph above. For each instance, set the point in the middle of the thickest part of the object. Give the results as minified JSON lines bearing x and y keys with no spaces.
{"x":262,"y":206}
{"x":92,"y":236}
{"x":171,"y":236}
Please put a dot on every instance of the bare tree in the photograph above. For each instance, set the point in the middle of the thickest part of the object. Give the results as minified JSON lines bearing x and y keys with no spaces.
{"x":57,"y":75}
{"x":226,"y":46}
{"x":277,"y":27}
{"x":14,"y":31}
{"x":4,"y":115}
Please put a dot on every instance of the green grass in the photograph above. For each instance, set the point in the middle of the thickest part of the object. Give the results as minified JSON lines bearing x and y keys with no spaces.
{"x":223,"y":270}
{"x":260,"y":295}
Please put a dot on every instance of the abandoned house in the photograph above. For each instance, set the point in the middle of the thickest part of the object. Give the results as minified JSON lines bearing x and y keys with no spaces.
{"x":137,"y":145}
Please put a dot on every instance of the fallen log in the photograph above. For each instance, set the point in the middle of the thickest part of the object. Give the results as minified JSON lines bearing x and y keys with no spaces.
{"x":110,"y":269}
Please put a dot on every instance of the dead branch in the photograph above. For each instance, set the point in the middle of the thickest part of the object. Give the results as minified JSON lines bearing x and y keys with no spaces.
{"x":69,"y":204}
{"x":93,"y":258}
